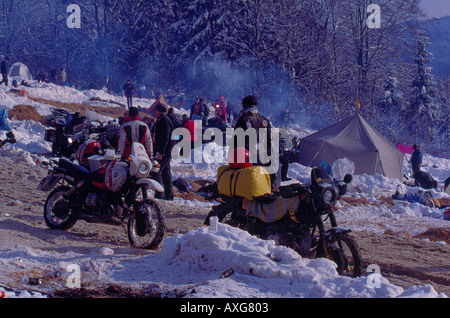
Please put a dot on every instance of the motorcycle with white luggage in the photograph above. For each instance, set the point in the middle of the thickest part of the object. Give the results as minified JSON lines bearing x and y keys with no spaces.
{"x":116,"y":193}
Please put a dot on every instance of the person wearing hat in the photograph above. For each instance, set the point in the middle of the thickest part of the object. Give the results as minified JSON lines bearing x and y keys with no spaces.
{"x":163,"y":151}
{"x":128,"y":90}
{"x":134,"y":130}
{"x":4,"y":70}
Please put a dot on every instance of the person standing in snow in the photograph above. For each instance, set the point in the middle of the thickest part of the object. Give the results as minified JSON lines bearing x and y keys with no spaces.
{"x":4,"y":70}
{"x":41,"y":77}
{"x":163,"y":151}
{"x":53,"y":75}
{"x":416,"y":159}
{"x":63,"y":76}
{"x":128,"y":90}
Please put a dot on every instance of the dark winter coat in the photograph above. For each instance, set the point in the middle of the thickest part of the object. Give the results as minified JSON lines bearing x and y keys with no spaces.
{"x":251,"y":118}
{"x":200,"y":110}
{"x":4,"y":68}
{"x":128,"y":89}
{"x":175,"y":122}
{"x":416,"y":160}
{"x":163,"y":136}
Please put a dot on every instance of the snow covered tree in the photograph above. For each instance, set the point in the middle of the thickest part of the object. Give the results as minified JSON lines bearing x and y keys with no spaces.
{"x":392,"y":98}
{"x":389,"y":108}
{"x":422,"y":113}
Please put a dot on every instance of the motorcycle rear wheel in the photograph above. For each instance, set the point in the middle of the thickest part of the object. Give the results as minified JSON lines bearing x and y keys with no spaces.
{"x":58,"y":212}
{"x":147,"y":225}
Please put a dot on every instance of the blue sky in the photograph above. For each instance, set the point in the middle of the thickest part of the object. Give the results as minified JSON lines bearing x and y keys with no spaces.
{"x":436,"y":8}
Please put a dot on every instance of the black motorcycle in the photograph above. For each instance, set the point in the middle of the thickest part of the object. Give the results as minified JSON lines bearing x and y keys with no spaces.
{"x":297,"y":217}
{"x":115,"y":194}
{"x":64,"y":129}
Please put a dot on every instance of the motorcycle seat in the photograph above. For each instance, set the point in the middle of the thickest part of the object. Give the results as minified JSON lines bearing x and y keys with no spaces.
{"x":75,"y":170}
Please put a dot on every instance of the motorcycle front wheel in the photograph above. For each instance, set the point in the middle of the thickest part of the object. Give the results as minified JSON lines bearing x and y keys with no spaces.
{"x":344,"y":251}
{"x":58,"y":212}
{"x":147,"y":225}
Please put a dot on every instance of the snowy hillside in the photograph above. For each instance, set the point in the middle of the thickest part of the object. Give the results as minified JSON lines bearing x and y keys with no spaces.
{"x":193,"y":260}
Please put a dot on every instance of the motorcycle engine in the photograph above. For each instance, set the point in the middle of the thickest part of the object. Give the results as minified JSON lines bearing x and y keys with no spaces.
{"x":98,"y":204}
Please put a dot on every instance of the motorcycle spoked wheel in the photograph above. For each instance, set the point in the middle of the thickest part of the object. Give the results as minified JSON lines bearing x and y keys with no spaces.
{"x":345,"y":253}
{"x":147,"y":225}
{"x":58,"y":212}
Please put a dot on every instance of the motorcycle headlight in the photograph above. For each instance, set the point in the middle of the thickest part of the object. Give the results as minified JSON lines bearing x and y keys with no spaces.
{"x":143,"y":167}
{"x":329,"y":196}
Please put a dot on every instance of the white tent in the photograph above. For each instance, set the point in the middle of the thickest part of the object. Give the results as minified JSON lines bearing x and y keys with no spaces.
{"x":20,"y":70}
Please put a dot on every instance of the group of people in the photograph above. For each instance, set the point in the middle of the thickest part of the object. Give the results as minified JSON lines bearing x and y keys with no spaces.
{"x":423,"y":180}
{"x":53,"y":76}
{"x":158,"y":142}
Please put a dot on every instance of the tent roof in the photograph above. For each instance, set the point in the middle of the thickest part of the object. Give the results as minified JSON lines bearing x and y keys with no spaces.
{"x":356,"y":140}
{"x":151,"y":109}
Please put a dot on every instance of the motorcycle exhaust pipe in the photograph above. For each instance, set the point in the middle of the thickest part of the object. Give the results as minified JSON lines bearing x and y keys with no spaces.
{"x":69,"y":193}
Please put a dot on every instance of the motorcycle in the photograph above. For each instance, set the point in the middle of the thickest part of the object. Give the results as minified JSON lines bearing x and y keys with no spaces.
{"x":67,"y":132}
{"x":115,"y":194}
{"x":296,"y":217}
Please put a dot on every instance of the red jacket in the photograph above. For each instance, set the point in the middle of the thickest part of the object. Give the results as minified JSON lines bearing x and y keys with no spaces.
{"x":134,"y":130}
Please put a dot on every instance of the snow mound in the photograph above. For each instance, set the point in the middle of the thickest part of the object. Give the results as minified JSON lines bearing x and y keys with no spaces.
{"x":263,"y":269}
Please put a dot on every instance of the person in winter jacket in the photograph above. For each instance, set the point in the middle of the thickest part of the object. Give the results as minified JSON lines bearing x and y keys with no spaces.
{"x":175,"y":122}
{"x":422,"y":197}
{"x":128,"y":90}
{"x":111,"y":134}
{"x":221,"y":106}
{"x":199,"y":110}
{"x":219,"y":122}
{"x":261,"y":152}
{"x":41,"y":76}
{"x":53,"y":75}
{"x":249,"y":117}
{"x":132,"y":130}
{"x":63,"y":76}
{"x":4,"y":70}
{"x":416,"y":158}
{"x":163,"y":151}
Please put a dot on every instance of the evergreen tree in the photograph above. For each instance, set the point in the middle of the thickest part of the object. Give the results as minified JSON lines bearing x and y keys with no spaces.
{"x":389,"y":108}
{"x":422,"y":113}
{"x":391,"y":100}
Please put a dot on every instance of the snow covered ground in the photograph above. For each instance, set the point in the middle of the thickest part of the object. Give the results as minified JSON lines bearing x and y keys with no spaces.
{"x":192,"y":260}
